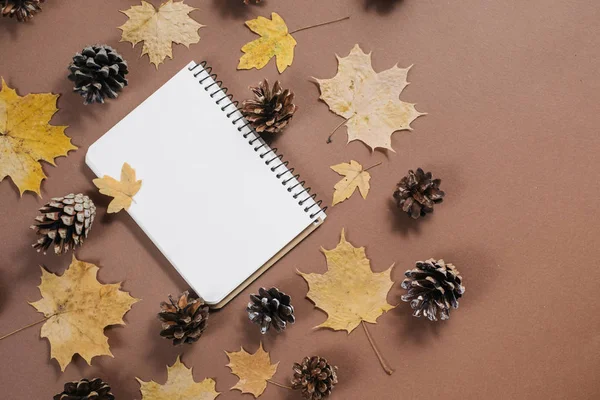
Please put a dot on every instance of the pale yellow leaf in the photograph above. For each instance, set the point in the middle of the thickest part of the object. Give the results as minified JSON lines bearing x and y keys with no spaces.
{"x":354,"y":177}
{"x":159,"y":29}
{"x":369,"y":101}
{"x":274,"y":41}
{"x":26,"y":137}
{"x":180,"y":385}
{"x":349,"y":292}
{"x":254,"y":370}
{"x":122,"y":191}
{"x":78,"y":308}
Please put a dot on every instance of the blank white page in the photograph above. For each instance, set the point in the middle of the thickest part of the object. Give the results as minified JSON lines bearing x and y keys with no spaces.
{"x":208,"y":200}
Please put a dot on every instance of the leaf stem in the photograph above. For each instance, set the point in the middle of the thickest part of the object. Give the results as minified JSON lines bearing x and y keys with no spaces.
{"x":25,"y":327}
{"x":320,"y":24}
{"x":280,"y":384}
{"x":388,"y":370}
{"x":373,"y":166}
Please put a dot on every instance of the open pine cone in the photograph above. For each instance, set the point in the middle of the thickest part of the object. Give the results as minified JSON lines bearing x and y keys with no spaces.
{"x":417,"y":193}
{"x":271,"y":308}
{"x":183,"y":320}
{"x":433,"y":286}
{"x":271,"y":110}
{"x":86,"y":389}
{"x":314,"y":377}
{"x":65,"y":222}
{"x":98,"y":72}
{"x":24,"y":10}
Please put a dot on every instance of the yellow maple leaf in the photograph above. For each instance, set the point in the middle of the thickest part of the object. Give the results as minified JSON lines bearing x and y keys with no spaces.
{"x":159,"y":29}
{"x":368,"y":100}
{"x":122,"y":191}
{"x":78,"y":308}
{"x":26,"y":137}
{"x":180,"y":385}
{"x":354,"y":177}
{"x":349,"y":292}
{"x":254,"y":370}
{"x":274,"y":41}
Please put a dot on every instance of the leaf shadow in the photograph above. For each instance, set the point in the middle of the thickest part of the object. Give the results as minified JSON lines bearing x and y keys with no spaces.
{"x":236,"y":8}
{"x":382,"y":6}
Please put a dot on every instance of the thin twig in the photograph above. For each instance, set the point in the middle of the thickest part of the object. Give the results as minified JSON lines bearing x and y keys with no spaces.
{"x":321,"y":24}
{"x":388,"y":370}
{"x":25,"y":327}
{"x":280,"y":384}
{"x":373,"y":166}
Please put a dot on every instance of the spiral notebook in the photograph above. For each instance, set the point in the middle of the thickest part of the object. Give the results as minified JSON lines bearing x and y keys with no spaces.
{"x":220,"y":204}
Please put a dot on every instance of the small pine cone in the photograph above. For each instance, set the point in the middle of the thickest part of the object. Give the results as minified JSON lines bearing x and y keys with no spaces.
{"x":314,"y":377}
{"x":183,"y":320}
{"x":98,"y":72}
{"x":86,"y":389}
{"x":417,"y":193}
{"x":65,"y":222}
{"x":24,"y":10}
{"x":269,"y":111}
{"x":271,"y":307}
{"x":433,"y":286}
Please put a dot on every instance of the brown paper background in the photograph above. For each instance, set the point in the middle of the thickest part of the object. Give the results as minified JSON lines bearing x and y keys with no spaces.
{"x":512,"y":91}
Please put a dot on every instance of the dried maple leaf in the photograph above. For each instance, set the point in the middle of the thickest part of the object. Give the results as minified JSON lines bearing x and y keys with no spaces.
{"x":78,"y":308}
{"x":254,"y":370}
{"x":158,"y":29}
{"x":180,"y":385}
{"x":354,"y":177}
{"x":368,"y":100}
{"x":349,"y":292}
{"x":122,"y":191}
{"x":26,"y":137}
{"x":274,"y":41}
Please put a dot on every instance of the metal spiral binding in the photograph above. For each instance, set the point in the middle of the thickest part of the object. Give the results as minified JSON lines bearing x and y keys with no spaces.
{"x":217,"y":87}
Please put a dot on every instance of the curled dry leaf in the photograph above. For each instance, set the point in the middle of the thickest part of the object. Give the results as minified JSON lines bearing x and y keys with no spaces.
{"x":349,"y":292}
{"x":369,"y":101}
{"x":274,"y":41}
{"x":122,"y":191}
{"x":78,"y":308}
{"x":180,"y":385}
{"x":26,"y":137}
{"x":159,"y":29}
{"x":354,"y":177}
{"x":254,"y":370}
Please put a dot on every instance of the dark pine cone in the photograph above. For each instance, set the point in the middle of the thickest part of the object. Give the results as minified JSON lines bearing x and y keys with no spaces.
{"x":269,"y":111}
{"x":271,"y":307}
{"x":433,"y":286}
{"x":65,"y":222}
{"x":98,"y":72}
{"x":417,"y":193}
{"x":184,"y":320}
{"x":22,"y":9}
{"x":314,"y":377}
{"x":85,"y":389}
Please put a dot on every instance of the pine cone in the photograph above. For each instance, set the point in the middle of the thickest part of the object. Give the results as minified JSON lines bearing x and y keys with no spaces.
{"x":22,"y":9}
{"x":65,"y":222}
{"x":270,"y":111}
{"x":417,"y":193}
{"x":85,"y":389}
{"x":183,"y":321}
{"x":271,"y":307}
{"x":314,"y":377}
{"x":433,"y":286}
{"x":98,"y":72}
